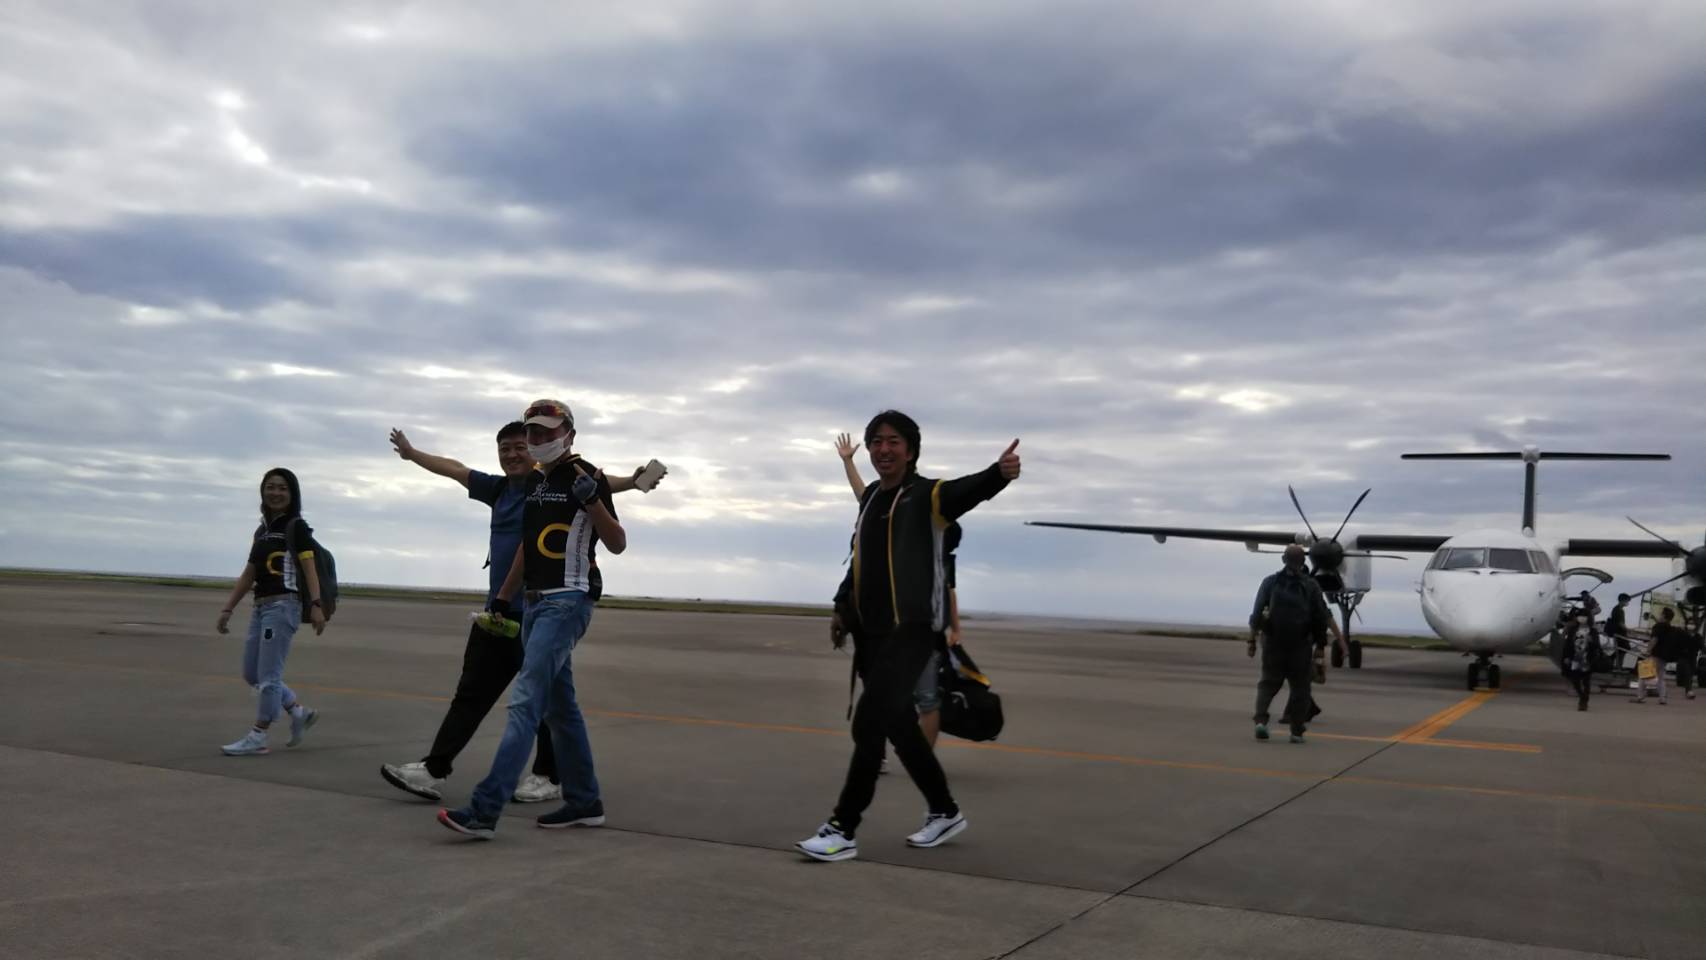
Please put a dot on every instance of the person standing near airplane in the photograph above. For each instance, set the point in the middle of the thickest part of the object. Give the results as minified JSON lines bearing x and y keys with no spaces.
{"x":1688,"y":659}
{"x":489,"y":660}
{"x":1669,"y":645}
{"x":1616,"y":622}
{"x":1291,"y":616}
{"x":893,"y":601}
{"x":1580,"y":651}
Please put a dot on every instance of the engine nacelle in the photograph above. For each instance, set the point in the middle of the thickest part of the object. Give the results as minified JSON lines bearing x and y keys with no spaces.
{"x":1357,"y":573}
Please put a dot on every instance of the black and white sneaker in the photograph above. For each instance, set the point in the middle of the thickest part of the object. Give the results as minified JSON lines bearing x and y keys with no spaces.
{"x":938,"y":829}
{"x":567,"y":816}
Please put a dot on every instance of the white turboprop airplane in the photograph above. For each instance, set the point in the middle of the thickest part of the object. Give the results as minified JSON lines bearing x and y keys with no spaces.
{"x":1485,"y":592}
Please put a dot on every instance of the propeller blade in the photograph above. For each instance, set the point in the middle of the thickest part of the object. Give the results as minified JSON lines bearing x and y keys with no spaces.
{"x":1658,"y":585}
{"x":1674,"y":545}
{"x":1377,"y":556}
{"x":1354,"y":506}
{"x":1300,"y":512}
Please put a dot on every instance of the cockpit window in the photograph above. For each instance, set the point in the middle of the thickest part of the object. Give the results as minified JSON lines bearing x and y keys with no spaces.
{"x":1464,"y":558}
{"x":1507,"y":559}
{"x":1511,"y":560}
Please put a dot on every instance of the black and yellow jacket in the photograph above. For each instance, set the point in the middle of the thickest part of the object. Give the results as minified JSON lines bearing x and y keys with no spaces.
{"x":918,"y":514}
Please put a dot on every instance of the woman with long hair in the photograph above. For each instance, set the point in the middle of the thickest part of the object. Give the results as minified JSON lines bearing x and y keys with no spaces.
{"x":281,"y":572}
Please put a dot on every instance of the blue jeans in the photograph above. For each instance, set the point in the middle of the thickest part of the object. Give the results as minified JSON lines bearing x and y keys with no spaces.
{"x":271,"y":628}
{"x":544,"y":688}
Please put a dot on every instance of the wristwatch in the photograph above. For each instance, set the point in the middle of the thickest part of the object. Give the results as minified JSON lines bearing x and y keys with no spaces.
{"x":314,"y":603}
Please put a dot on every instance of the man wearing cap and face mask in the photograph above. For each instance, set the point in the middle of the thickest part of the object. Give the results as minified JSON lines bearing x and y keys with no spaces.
{"x":490,"y":659}
{"x":567,"y":512}
{"x":1291,"y":614}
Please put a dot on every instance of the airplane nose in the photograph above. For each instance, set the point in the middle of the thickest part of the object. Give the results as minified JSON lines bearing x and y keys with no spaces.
{"x":1476,"y":609}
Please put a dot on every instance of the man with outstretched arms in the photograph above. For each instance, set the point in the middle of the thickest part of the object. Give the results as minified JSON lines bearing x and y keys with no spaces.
{"x":894,"y":602}
{"x":567,"y":511}
{"x":490,"y":659}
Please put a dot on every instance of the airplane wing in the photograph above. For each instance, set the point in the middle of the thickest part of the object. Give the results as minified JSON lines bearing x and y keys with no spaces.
{"x":1621,"y":548}
{"x":1277,"y":538}
{"x":1402,"y":543}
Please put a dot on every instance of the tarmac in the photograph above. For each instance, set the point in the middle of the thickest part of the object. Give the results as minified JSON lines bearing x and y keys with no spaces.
{"x":1126,"y":811}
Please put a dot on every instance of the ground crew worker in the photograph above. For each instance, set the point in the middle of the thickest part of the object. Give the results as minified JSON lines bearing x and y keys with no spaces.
{"x":1291,"y":617}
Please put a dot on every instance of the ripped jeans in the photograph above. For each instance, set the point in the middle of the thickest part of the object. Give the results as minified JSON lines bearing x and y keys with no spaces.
{"x":271,"y":628}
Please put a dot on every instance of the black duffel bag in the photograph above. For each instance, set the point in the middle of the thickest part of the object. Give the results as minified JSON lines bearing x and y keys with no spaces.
{"x":970,"y":709}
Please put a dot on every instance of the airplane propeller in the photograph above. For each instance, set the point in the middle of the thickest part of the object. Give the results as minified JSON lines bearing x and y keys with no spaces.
{"x":1693,"y":565}
{"x":1328,"y":555}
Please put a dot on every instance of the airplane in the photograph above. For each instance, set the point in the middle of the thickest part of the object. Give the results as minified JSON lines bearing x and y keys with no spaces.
{"x":1484,"y":592}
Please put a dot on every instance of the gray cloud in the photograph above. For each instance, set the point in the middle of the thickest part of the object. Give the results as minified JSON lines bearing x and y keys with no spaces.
{"x":1189,"y":255}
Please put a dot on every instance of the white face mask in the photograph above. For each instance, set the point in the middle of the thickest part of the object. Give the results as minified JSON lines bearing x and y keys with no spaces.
{"x":550,"y":452}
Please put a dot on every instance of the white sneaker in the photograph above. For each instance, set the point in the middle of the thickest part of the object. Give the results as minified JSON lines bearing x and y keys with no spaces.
{"x":413,"y":778}
{"x":938,"y":829}
{"x":300,"y":725}
{"x":253,"y":744}
{"x":829,"y":845}
{"x":536,"y":789}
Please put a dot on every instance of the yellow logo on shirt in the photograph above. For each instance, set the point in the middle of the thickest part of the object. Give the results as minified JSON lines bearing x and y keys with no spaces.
{"x":548,"y":552}
{"x":271,"y":568}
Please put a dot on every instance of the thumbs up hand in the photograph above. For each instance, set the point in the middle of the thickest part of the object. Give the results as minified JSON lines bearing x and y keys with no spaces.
{"x":1009,"y":462}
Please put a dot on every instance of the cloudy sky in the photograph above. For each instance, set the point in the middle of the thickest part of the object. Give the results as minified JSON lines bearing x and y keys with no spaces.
{"x":1187,"y":252}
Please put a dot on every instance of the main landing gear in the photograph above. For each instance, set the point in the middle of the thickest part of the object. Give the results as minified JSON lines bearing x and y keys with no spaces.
{"x":1347,"y":601}
{"x":1483,"y":662}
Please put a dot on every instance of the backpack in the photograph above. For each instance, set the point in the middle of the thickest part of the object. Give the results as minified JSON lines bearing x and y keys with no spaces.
{"x":970,"y":709}
{"x":324,"y":566}
{"x":1291,"y":605}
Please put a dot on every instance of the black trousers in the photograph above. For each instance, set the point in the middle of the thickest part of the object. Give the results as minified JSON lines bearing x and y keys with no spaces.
{"x":1685,"y":670}
{"x":1290,"y":663}
{"x":488,"y":665}
{"x":885,"y":712}
{"x":1581,"y":681}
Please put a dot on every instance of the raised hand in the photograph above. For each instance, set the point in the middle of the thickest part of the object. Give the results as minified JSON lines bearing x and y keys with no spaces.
{"x":401,"y":444}
{"x":585,"y":487}
{"x":1009,"y":462}
{"x":845,"y":446}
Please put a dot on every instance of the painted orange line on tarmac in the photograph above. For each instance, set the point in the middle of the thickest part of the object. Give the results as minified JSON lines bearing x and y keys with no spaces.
{"x":1478,"y":745}
{"x":1431,"y":726}
{"x":965,"y":745}
{"x":709,"y":722}
{"x":1432,"y":742}
{"x":1525,"y":794}
{"x":830,"y":731}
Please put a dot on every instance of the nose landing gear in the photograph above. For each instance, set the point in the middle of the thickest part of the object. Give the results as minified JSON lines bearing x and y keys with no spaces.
{"x":1481,"y":662}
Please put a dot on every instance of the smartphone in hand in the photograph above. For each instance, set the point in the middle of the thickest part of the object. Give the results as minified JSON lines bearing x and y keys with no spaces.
{"x":649,"y":476}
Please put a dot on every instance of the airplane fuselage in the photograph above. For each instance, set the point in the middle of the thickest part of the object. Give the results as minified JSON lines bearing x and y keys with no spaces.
{"x":1492,"y":591}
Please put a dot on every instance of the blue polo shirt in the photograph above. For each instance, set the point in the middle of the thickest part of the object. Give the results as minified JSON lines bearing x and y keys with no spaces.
{"x":506,"y":500}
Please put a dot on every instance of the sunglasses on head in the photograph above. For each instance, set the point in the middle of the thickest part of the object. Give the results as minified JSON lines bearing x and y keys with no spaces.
{"x":545,"y":410}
